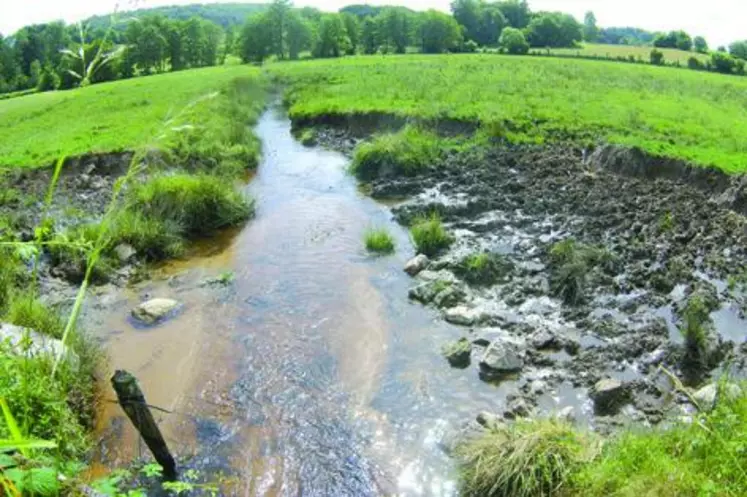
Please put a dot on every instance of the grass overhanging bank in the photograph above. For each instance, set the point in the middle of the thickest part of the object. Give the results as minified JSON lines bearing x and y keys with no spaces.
{"x":192,"y":141}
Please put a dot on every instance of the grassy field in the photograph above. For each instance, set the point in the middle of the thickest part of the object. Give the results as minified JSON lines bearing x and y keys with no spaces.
{"x":684,"y":114}
{"x":614,"y":51}
{"x":122,"y":115}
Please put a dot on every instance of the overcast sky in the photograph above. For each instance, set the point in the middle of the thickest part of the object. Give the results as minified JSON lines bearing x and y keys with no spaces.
{"x":720,"y":21}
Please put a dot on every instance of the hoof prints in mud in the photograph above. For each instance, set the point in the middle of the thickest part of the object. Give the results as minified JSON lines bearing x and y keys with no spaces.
{"x":664,"y":240}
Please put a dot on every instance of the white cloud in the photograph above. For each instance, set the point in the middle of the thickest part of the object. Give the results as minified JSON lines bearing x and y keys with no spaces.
{"x":720,"y":21}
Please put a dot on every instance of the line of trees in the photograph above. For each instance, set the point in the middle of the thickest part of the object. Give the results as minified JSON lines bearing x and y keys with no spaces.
{"x":55,"y":55}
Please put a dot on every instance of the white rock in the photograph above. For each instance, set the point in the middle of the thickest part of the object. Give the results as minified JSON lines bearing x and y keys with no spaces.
{"x":462,"y":315}
{"x":154,"y":310}
{"x":125,"y":252}
{"x":502,"y":357}
{"x":706,"y":397}
{"x":24,"y":341}
{"x":416,"y":264}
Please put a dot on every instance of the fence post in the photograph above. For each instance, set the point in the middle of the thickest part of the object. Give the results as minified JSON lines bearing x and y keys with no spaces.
{"x":133,"y":403}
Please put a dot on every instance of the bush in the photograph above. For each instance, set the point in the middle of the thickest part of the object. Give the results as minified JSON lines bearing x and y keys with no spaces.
{"x":694,"y":63}
{"x":198,"y":204}
{"x":430,"y":236}
{"x":48,"y":80}
{"x":513,"y":41}
{"x":379,"y":240}
{"x":657,"y":57}
{"x":525,"y":459}
{"x":28,"y":311}
{"x":408,"y":152}
{"x":722,"y":62}
{"x":484,"y":269}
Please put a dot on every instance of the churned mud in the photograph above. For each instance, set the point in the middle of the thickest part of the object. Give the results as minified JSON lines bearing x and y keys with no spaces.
{"x":667,"y":232}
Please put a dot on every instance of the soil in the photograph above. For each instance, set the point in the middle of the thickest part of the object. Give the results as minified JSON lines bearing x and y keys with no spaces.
{"x":670,"y":231}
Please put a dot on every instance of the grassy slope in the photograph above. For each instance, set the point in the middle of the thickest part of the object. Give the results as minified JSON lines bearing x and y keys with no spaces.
{"x":121,"y":115}
{"x":696,"y":116}
{"x":601,"y":50}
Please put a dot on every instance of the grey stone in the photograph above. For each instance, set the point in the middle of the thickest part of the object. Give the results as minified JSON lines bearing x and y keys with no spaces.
{"x":463,"y":316}
{"x":518,"y":408}
{"x":546,"y":340}
{"x":609,"y":396}
{"x":154,"y":310}
{"x":566,"y":414}
{"x":707,"y":397}
{"x":448,"y":297}
{"x":25,"y":341}
{"x":416,"y":264}
{"x":489,"y":420}
{"x":125,"y":252}
{"x":501,"y":357}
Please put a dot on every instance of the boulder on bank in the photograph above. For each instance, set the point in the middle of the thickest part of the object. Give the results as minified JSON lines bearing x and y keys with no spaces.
{"x":125,"y":252}
{"x":154,"y":310}
{"x":416,"y":264}
{"x":501,"y":358}
{"x":708,"y":396}
{"x":609,"y":396}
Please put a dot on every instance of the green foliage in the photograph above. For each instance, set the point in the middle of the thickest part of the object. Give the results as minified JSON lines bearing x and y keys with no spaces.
{"x":553,"y":29}
{"x":591,"y":30}
{"x":70,"y":251}
{"x":674,"y":39}
{"x":408,"y":152}
{"x":699,"y":458}
{"x":697,"y":320}
{"x":152,"y":238}
{"x":11,"y":273}
{"x":700,"y":44}
{"x":570,"y":262}
{"x":512,"y":41}
{"x":738,"y":49}
{"x":198,"y":204}
{"x":686,"y":115}
{"x":28,"y":311}
{"x":695,"y":64}
{"x":486,"y":268}
{"x":438,"y":32}
{"x":308,"y":137}
{"x":379,"y":240}
{"x":255,"y":41}
{"x":332,"y":39}
{"x":430,"y":236}
{"x":656,"y":57}
{"x":722,"y":62}
{"x":524,"y":459}
{"x":666,"y":223}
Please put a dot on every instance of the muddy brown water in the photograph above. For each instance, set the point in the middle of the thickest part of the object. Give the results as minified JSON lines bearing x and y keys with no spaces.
{"x":311,"y":373}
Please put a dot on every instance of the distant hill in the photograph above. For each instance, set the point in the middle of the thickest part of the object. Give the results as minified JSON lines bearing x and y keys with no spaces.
{"x":223,"y":14}
{"x":369,"y":10}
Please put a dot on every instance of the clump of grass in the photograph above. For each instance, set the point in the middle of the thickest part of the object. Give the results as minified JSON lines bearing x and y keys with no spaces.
{"x":153,"y":238}
{"x":11,"y":274}
{"x":528,"y":458}
{"x":308,"y":137}
{"x":379,"y":240}
{"x":486,"y":268}
{"x":430,"y":236}
{"x":407,"y":152}
{"x":666,"y":223}
{"x":697,"y":321}
{"x":570,"y":263}
{"x":704,"y":457}
{"x":28,"y":311}
{"x":69,"y":252}
{"x":198,"y":204}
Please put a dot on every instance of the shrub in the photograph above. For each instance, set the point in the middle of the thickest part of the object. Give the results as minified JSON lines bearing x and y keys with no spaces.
{"x":430,"y":236}
{"x":28,"y":311}
{"x":48,"y":80}
{"x":694,"y":63}
{"x":153,"y":238}
{"x":657,"y":57}
{"x":198,"y":204}
{"x":524,"y":459}
{"x":379,"y":240}
{"x":484,"y":269}
{"x":513,"y":41}
{"x":408,"y":152}
{"x":722,"y":62}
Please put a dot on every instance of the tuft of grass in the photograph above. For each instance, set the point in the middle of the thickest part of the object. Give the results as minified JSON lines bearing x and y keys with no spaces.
{"x":28,"y":311}
{"x":430,"y":236}
{"x":528,"y":458}
{"x":486,"y":268}
{"x":198,"y":204}
{"x":407,"y":152}
{"x":570,"y":263}
{"x":308,"y":137}
{"x":69,"y":252}
{"x":697,"y":320}
{"x":379,"y":240}
{"x":154,"y":239}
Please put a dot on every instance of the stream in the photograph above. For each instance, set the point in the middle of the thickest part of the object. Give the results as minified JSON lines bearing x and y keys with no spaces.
{"x":310,"y":373}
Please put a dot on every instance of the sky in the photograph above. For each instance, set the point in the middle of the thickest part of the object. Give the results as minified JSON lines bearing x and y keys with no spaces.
{"x":720,"y":21}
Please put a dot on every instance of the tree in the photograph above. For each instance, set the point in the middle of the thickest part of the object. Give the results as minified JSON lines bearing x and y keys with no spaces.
{"x":438,"y":32}
{"x":228,"y":44}
{"x":684,"y":41}
{"x":738,"y":49}
{"x":656,"y":57}
{"x":369,"y":37}
{"x":467,"y":14}
{"x":147,"y":43}
{"x":193,"y":38}
{"x":277,"y":16}
{"x":353,"y":30}
{"x":516,"y":13}
{"x":299,"y":34}
{"x":332,"y":41}
{"x":700,"y":44}
{"x":492,"y":22}
{"x":554,"y":29}
{"x":256,"y":41}
{"x":591,"y":31}
{"x":722,"y":62}
{"x":674,"y":39}
{"x":513,"y":41}
{"x":393,"y":26}
{"x":174,"y":41}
